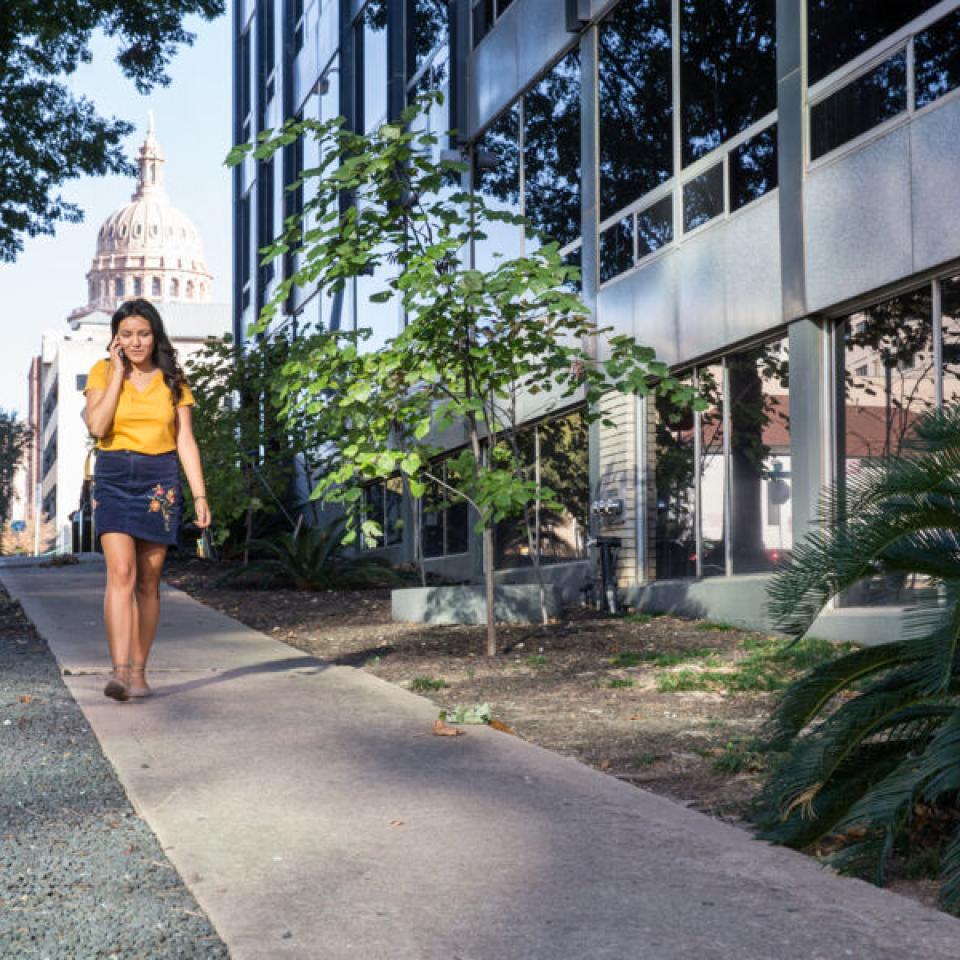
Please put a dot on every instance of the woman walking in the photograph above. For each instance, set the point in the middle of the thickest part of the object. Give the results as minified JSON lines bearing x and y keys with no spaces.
{"x":139,"y":409}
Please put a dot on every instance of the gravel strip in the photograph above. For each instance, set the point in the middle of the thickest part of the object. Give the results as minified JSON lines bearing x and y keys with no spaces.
{"x":82,"y":875}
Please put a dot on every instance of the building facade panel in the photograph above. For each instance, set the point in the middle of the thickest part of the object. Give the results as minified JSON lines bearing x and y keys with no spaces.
{"x":857,"y":213}
{"x":935,"y":185}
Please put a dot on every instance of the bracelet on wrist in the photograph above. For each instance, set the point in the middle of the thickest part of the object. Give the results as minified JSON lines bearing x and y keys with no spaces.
{"x":200,"y":497}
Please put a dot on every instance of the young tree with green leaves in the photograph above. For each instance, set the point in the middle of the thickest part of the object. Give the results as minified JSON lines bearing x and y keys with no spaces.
{"x":473,"y":343}
{"x":14,"y":439}
{"x":249,"y":454}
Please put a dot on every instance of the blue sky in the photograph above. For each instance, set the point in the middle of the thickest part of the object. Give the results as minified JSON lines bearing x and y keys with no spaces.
{"x":192,"y":115}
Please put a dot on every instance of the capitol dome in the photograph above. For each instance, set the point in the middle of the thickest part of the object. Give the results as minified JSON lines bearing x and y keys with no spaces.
{"x":148,"y":248}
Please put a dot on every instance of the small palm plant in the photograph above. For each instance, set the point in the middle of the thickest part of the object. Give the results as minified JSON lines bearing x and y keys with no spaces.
{"x":872,"y":738}
{"x":312,"y":558}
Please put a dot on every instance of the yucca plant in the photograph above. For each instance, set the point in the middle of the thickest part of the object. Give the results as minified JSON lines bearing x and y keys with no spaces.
{"x":872,"y":738}
{"x":312,"y":558}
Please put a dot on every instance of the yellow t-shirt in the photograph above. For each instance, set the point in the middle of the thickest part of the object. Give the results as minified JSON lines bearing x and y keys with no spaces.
{"x":145,"y":421}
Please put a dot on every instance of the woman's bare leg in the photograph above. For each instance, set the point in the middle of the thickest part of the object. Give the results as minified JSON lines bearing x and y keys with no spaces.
{"x":118,"y":602}
{"x":149,"y":558}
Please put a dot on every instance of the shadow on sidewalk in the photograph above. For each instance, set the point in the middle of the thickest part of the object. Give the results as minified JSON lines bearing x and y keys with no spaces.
{"x":312,"y":665}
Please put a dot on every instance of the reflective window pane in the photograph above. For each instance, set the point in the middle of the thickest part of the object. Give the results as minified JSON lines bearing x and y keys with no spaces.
{"x":889,"y":382}
{"x":636,"y":107}
{"x":856,"y":108}
{"x":374,"y":66}
{"x":712,"y":473}
{"x":654,"y":227}
{"x":555,"y":452}
{"x":937,"y":59}
{"x":675,"y":542}
{"x":616,"y":249}
{"x":950,"y":306}
{"x":843,"y":29}
{"x":551,"y":155}
{"x":753,"y":168}
{"x":703,"y":198}
{"x":564,"y":469}
{"x":760,"y":484}
{"x":483,"y":11}
{"x":728,"y":76}
{"x":496,"y":161}
{"x":430,"y":23}
{"x":444,"y":516}
{"x":889,"y":379}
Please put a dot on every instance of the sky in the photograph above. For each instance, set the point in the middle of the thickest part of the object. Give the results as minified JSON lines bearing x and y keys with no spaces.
{"x":192,"y":115}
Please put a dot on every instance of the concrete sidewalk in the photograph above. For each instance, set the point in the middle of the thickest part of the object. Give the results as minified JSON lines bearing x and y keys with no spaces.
{"x":313,"y":815}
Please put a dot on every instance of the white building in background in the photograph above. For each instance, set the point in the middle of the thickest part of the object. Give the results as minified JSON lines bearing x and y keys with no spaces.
{"x":148,"y":249}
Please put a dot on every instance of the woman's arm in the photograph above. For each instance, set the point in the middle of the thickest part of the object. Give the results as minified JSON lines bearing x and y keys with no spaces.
{"x":102,"y":404}
{"x":189,"y":454}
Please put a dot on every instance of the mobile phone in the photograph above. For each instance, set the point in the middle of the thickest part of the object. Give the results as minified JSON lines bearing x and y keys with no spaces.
{"x":121,"y":354}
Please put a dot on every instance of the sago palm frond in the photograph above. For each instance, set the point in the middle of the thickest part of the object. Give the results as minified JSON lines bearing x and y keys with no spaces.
{"x":875,"y":735}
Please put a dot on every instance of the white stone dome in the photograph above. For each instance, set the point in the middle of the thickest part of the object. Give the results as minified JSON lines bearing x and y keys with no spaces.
{"x":148,"y":248}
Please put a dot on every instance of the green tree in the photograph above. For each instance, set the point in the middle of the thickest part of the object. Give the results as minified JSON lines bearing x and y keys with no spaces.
{"x":249,"y":463}
{"x":873,"y":737}
{"x":14,"y":439}
{"x":51,"y":135}
{"x":472,"y":343}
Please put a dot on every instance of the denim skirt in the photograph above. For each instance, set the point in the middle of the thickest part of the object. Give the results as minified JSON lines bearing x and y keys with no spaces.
{"x":137,"y":494}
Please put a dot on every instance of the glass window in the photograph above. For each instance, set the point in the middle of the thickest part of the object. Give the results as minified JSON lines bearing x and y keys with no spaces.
{"x":654,"y":227}
{"x":430,"y":27}
{"x":760,"y":486}
{"x":616,"y":249}
{"x":937,"y":59}
{"x":859,"y":106}
{"x":881,"y":408}
{"x":841,"y":30}
{"x":265,"y":227}
{"x":444,"y":516}
{"x":703,"y":198}
{"x":296,"y":24}
{"x":483,"y":13}
{"x":950,"y":311}
{"x":753,"y":168}
{"x":555,"y":453}
{"x":174,"y":287}
{"x":636,"y":106}
{"x":383,"y":503}
{"x":712,"y":474}
{"x":245,"y":92}
{"x":497,"y":176}
{"x":156,"y":287}
{"x":374,"y":61}
{"x":728,"y":70}
{"x":137,"y":287}
{"x":675,"y":539}
{"x":81,"y":382}
{"x":118,"y":287}
{"x":551,"y":155}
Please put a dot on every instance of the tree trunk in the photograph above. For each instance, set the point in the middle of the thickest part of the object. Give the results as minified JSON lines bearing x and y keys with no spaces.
{"x":490,"y":584}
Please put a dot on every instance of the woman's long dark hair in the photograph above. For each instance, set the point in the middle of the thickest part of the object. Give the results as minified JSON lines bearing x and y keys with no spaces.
{"x":164,"y":355}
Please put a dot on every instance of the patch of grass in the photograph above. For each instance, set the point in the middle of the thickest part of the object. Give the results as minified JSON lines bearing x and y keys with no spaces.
{"x":617,"y":682}
{"x":634,"y":658}
{"x":741,"y":755}
{"x":537,"y":660}
{"x":710,"y":626}
{"x":767,"y":667}
{"x":637,"y":617}
{"x":371,"y":661}
{"x":422,"y":684}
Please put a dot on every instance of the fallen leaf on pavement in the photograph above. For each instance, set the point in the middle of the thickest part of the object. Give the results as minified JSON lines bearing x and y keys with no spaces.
{"x":502,"y":727}
{"x":441,"y":729}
